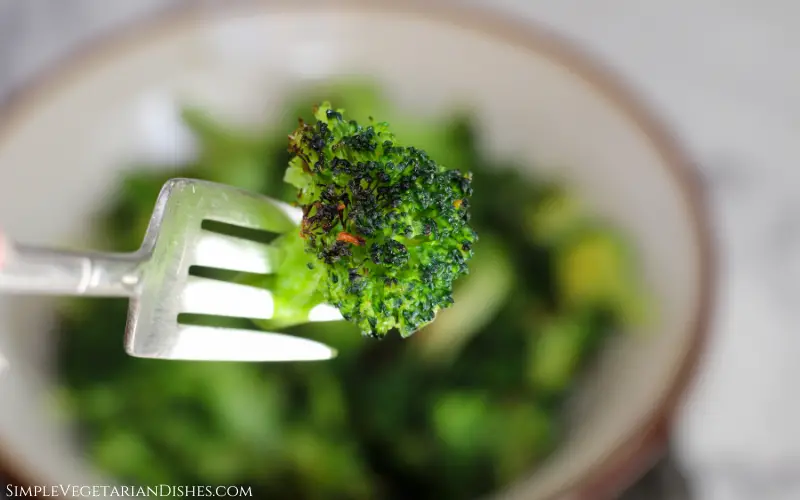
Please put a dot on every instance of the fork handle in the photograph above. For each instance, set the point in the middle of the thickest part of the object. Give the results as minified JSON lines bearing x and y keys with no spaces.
{"x":44,"y":271}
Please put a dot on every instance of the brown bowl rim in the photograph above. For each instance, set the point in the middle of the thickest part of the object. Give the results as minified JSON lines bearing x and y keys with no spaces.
{"x":624,"y":464}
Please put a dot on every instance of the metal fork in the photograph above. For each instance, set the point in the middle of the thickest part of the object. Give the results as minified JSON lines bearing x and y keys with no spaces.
{"x":157,"y":281}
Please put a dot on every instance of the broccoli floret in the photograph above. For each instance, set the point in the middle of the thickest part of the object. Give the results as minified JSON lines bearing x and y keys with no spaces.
{"x":389,"y":225}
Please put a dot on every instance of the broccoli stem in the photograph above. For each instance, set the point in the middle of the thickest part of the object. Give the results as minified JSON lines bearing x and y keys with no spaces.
{"x":295,"y":285}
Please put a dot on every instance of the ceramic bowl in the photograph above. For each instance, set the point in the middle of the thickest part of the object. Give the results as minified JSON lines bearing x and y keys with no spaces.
{"x":64,"y":139}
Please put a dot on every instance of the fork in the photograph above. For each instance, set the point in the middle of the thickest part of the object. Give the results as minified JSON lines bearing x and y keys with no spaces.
{"x":156,"y":277}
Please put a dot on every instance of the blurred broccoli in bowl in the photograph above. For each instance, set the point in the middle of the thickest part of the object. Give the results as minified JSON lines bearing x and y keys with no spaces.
{"x":480,"y":389}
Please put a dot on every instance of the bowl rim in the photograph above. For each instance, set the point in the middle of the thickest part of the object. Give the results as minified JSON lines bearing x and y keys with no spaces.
{"x":645,"y":444}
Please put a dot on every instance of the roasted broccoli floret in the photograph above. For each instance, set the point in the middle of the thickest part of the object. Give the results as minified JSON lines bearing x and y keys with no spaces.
{"x":387,"y":226}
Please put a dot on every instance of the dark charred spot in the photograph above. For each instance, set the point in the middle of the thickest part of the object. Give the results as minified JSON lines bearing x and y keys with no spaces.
{"x":361,"y":141}
{"x":317,"y":143}
{"x":331,"y":114}
{"x":390,"y":253}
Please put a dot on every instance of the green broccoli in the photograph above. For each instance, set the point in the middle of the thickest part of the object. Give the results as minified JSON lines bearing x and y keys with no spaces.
{"x":388,"y":227}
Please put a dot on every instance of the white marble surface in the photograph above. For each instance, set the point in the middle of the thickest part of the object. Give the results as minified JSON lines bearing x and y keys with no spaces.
{"x":725,"y":76}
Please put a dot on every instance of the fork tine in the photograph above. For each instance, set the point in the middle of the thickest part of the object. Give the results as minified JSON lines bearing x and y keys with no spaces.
{"x":324,"y":312}
{"x":236,"y":254}
{"x":242,"y":208}
{"x":221,"y":298}
{"x":228,"y":344}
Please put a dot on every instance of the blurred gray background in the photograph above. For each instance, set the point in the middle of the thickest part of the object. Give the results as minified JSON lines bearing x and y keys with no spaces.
{"x":725,"y":76}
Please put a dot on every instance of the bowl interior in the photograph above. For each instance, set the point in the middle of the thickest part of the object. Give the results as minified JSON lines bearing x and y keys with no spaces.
{"x":61,"y":155}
